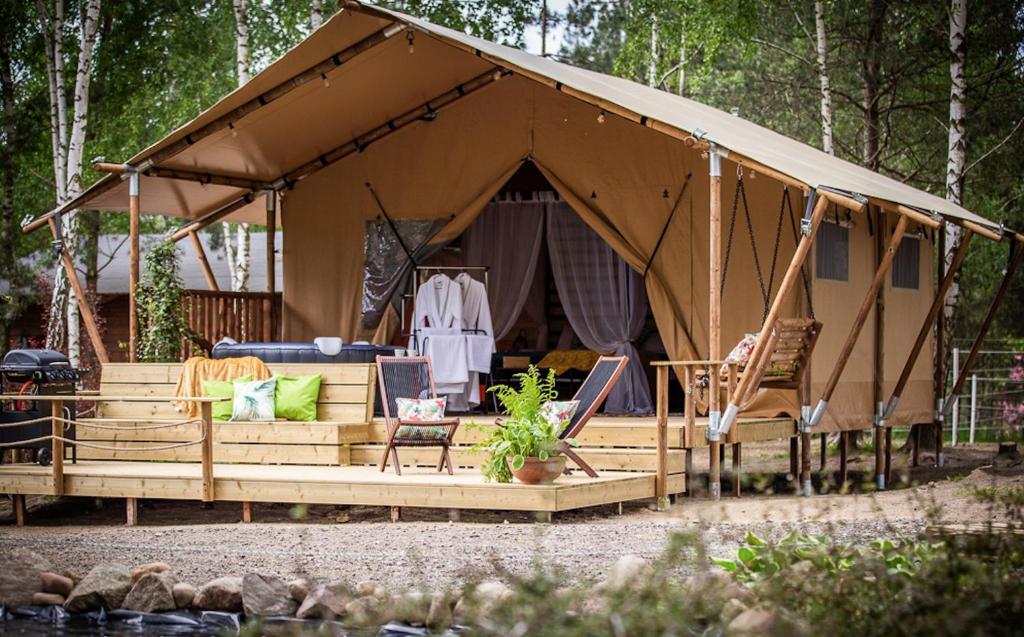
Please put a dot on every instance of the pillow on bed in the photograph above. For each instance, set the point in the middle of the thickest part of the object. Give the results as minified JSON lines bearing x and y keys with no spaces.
{"x":222,"y":389}
{"x":421,"y":410}
{"x":295,"y":397}
{"x":559,"y":413}
{"x":254,"y":401}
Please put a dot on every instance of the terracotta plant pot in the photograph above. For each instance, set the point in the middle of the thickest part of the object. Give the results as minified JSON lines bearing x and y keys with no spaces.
{"x":537,"y":471}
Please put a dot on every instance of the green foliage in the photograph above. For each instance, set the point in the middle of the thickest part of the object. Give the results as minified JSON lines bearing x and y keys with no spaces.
{"x":158,"y":304}
{"x":498,"y":20}
{"x":523,"y":433}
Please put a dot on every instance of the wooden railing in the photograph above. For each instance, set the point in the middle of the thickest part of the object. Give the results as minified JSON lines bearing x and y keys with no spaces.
{"x":243,"y":316}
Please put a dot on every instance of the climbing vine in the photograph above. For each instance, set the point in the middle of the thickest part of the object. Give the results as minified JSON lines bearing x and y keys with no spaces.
{"x":159,"y":299}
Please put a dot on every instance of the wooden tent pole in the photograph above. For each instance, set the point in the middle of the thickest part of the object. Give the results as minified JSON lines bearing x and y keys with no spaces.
{"x":133,"y":265}
{"x":926,"y":327}
{"x":269,"y":320}
{"x":214,"y":216}
{"x":1017,"y":252}
{"x":84,"y":309}
{"x":878,"y":375}
{"x":211,"y":280}
{"x":714,"y":319}
{"x":785,"y":286}
{"x":860,"y":319}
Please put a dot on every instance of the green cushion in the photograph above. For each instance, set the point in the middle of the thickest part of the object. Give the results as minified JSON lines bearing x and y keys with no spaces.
{"x":296,"y":396}
{"x":222,"y":389}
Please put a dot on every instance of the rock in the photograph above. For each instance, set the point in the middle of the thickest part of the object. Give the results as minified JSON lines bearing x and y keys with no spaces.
{"x":326,"y":601}
{"x":439,"y":616}
{"x":707,"y":592}
{"x":153,"y":592}
{"x":184,"y":593}
{"x":298,"y":588}
{"x":365,"y":589}
{"x":482,"y":600}
{"x":626,"y":571}
{"x":105,"y":586}
{"x":755,"y":622}
{"x":223,"y":593}
{"x":412,"y":608}
{"x":366,"y":612}
{"x":266,"y":596}
{"x":732,"y":609}
{"x":152,"y":567}
{"x":20,"y":577}
{"x":47,"y":599}
{"x":58,"y":584}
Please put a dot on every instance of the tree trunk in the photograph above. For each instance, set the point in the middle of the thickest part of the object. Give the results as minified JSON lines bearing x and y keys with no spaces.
{"x":8,"y":257}
{"x":238,"y":255}
{"x":316,"y":14}
{"x":826,"y":86}
{"x":652,"y":70}
{"x":544,"y":28}
{"x":871,"y":70}
{"x":682,"y":65}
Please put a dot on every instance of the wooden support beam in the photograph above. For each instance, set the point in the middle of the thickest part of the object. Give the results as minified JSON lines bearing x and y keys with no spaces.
{"x":661,"y":409}
{"x":714,"y":318}
{"x":57,"y":446}
{"x":1016,"y":252}
{"x":842,"y":200}
{"x":269,"y":320}
{"x":207,"y":178}
{"x":133,"y":266}
{"x":823,"y":460}
{"x":211,"y":280}
{"x":878,"y":373}
{"x":84,"y":309}
{"x":19,"y":509}
{"x":844,"y":437}
{"x":788,"y":282}
{"x":246,"y":512}
{"x":737,"y":468}
{"x":131,"y":512}
{"x":395,"y":513}
{"x":794,"y":458}
{"x":805,"y":463}
{"x":879,"y":443}
{"x":214,"y":216}
{"x":860,"y":319}
{"x":206,"y":426}
{"x":928,"y":323}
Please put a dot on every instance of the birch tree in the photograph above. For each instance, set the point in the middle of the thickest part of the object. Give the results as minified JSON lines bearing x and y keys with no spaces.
{"x":821,"y":44}
{"x":67,"y":146}
{"x":316,"y":14}
{"x":957,"y":155}
{"x":236,"y":236}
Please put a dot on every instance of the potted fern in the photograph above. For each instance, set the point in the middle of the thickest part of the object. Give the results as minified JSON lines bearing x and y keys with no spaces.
{"x":524,"y":445}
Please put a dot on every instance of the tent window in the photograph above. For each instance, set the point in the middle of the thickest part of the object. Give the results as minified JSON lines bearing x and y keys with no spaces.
{"x":907,"y":264}
{"x":832,"y":252}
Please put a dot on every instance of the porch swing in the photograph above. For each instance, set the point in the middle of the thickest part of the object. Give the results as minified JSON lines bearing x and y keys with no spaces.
{"x":791,"y":342}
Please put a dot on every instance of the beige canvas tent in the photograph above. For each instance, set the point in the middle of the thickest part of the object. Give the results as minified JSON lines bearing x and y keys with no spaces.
{"x":438,"y":121}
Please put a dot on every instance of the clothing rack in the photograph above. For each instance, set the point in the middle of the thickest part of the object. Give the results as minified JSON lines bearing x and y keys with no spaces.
{"x":421,"y":275}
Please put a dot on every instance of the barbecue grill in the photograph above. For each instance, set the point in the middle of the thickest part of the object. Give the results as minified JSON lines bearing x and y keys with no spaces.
{"x":30,"y":372}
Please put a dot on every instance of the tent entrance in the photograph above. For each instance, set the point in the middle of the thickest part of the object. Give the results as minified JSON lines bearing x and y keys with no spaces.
{"x":559,"y":295}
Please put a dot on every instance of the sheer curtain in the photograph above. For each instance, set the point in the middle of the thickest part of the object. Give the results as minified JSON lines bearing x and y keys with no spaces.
{"x":604,"y":300}
{"x":506,"y":237}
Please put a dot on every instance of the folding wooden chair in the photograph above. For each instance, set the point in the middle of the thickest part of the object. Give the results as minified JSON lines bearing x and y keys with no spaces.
{"x":591,"y":395}
{"x":411,"y":377}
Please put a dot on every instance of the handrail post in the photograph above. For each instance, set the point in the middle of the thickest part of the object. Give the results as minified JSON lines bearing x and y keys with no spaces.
{"x":207,"y":447}
{"x":57,"y":447}
{"x":661,"y":478}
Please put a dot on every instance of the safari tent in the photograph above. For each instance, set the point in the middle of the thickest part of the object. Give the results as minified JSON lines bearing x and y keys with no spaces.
{"x":437,"y":122}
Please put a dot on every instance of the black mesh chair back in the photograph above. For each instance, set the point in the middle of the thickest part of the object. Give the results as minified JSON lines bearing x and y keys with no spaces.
{"x":594,"y":390}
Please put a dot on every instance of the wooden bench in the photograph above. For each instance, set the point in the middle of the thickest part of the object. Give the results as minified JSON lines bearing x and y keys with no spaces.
{"x":344,"y":413}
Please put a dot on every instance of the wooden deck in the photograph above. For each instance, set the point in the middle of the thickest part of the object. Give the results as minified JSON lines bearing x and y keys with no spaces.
{"x":357,"y":485}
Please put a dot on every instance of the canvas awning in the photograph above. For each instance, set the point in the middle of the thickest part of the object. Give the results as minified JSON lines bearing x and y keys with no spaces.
{"x":369,"y":78}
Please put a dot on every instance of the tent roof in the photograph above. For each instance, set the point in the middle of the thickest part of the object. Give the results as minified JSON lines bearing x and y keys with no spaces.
{"x":316,"y":117}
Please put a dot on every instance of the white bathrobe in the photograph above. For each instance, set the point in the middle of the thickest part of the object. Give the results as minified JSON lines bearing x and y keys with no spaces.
{"x":438,"y":303}
{"x":476,"y":320}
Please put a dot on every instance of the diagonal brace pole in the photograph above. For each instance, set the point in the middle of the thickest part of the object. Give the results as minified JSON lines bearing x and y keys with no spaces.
{"x":926,"y":327}
{"x":858,"y":322}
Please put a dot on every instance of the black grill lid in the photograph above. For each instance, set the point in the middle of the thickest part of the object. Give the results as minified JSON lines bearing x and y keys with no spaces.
{"x":33,"y":359}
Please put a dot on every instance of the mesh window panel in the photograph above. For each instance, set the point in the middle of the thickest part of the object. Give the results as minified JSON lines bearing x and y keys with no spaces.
{"x":832,"y":252}
{"x":906,"y":265}
{"x":591,"y":389}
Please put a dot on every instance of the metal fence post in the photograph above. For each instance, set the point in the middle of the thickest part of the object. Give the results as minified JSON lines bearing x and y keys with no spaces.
{"x":974,"y":407}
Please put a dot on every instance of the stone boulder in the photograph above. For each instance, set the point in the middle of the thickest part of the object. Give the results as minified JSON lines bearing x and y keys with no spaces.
{"x":326,"y":601}
{"x":299,"y":587}
{"x":183,"y":593}
{"x":708,"y":592}
{"x":57,"y":584}
{"x":20,"y":578}
{"x":412,"y":608}
{"x":482,"y":600}
{"x":625,"y":572}
{"x":367,"y":612}
{"x":439,"y":616}
{"x":152,"y":567}
{"x":47,"y":599}
{"x":223,"y":593}
{"x":756,"y":622}
{"x":266,"y":596}
{"x":105,"y":586}
{"x":153,"y":592}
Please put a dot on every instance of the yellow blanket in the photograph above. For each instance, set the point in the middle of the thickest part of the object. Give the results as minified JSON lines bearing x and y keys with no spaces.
{"x":563,"y":360}
{"x":197,"y":369}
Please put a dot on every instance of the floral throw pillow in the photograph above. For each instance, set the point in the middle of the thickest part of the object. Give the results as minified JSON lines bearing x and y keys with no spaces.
{"x":559,"y":413}
{"x":254,"y":401}
{"x":741,"y":353}
{"x":421,"y":410}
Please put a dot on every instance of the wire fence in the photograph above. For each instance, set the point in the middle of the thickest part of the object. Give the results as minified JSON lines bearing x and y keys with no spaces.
{"x":990,"y":404}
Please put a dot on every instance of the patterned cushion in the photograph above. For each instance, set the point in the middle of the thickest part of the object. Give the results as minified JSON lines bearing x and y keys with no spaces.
{"x":254,"y":401}
{"x":741,"y":353}
{"x":421,"y":410}
{"x":558,"y":413}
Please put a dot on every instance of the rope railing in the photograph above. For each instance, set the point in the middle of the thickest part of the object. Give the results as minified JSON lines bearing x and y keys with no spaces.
{"x":93,"y":445}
